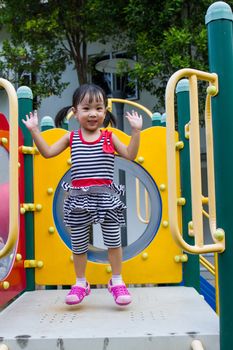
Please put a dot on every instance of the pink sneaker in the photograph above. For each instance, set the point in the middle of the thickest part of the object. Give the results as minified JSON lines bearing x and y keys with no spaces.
{"x":77,"y":294}
{"x":120,"y":293}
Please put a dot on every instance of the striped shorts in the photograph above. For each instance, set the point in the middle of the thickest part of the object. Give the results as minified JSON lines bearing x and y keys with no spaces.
{"x":80,"y":236}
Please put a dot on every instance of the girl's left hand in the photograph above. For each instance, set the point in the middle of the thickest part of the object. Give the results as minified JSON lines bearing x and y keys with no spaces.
{"x":135,"y":120}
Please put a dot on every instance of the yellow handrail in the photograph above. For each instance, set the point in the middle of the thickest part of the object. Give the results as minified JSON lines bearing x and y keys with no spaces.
{"x":195,"y":164}
{"x":204,"y":212}
{"x":146,"y":220}
{"x":207,"y":265}
{"x":13,"y":169}
{"x":119,"y":100}
{"x":216,"y":282}
{"x":132,"y":103}
{"x":210,"y":167}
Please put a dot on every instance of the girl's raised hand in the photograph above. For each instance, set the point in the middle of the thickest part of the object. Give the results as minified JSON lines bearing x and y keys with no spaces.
{"x":135,"y":120}
{"x":31,"y":121}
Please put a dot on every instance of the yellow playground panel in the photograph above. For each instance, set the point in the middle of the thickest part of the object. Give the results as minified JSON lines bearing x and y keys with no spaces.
{"x":159,"y":259}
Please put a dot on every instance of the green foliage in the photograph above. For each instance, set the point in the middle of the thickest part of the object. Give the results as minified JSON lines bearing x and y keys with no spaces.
{"x":166,"y":36}
{"x":44,"y":64}
{"x":47,"y":35}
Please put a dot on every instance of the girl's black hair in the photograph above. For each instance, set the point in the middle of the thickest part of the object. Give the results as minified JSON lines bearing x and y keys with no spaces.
{"x":94,"y":92}
{"x":61,"y":115}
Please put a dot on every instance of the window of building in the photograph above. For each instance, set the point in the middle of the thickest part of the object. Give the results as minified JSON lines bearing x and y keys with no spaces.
{"x":112,"y":82}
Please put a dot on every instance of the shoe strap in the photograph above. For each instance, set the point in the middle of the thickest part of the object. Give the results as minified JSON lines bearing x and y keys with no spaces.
{"x":120,"y":290}
{"x":78,"y":290}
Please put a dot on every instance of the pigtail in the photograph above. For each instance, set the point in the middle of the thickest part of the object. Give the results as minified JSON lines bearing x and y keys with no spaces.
{"x":61,"y":115}
{"x":109,"y":119}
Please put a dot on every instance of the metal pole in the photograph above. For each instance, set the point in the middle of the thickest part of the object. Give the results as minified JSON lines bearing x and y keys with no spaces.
{"x":25,"y":98}
{"x":191,"y":269}
{"x":220,"y":44}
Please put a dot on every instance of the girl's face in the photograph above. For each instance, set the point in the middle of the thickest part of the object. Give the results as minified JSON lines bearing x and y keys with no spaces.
{"x":90,"y":114}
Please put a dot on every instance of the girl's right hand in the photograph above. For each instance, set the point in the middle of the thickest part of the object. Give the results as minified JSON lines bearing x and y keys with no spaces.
{"x":31,"y":122}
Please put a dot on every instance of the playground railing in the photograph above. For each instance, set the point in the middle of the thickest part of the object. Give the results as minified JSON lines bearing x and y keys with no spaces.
{"x":195,"y":163}
{"x":131,"y":103}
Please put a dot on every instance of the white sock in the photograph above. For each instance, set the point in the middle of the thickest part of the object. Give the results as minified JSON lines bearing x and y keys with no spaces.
{"x":81,"y":282}
{"x":116,"y":279}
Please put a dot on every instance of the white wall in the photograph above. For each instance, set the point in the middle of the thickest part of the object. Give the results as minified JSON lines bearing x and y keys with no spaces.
{"x":50,"y":106}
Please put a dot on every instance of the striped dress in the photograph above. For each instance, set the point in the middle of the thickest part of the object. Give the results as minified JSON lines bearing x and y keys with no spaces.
{"x":93,"y":197}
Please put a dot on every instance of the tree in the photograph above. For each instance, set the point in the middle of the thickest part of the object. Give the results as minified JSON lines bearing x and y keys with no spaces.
{"x":47,"y":35}
{"x":166,"y":35}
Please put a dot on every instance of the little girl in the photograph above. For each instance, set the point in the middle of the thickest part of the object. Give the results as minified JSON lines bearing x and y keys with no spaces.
{"x":93,"y":197}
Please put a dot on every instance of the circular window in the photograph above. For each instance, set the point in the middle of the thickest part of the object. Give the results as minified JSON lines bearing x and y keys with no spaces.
{"x":139,"y":232}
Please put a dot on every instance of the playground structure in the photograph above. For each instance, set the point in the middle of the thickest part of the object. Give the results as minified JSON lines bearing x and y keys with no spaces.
{"x":154,"y":258}
{"x":140,"y":257}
